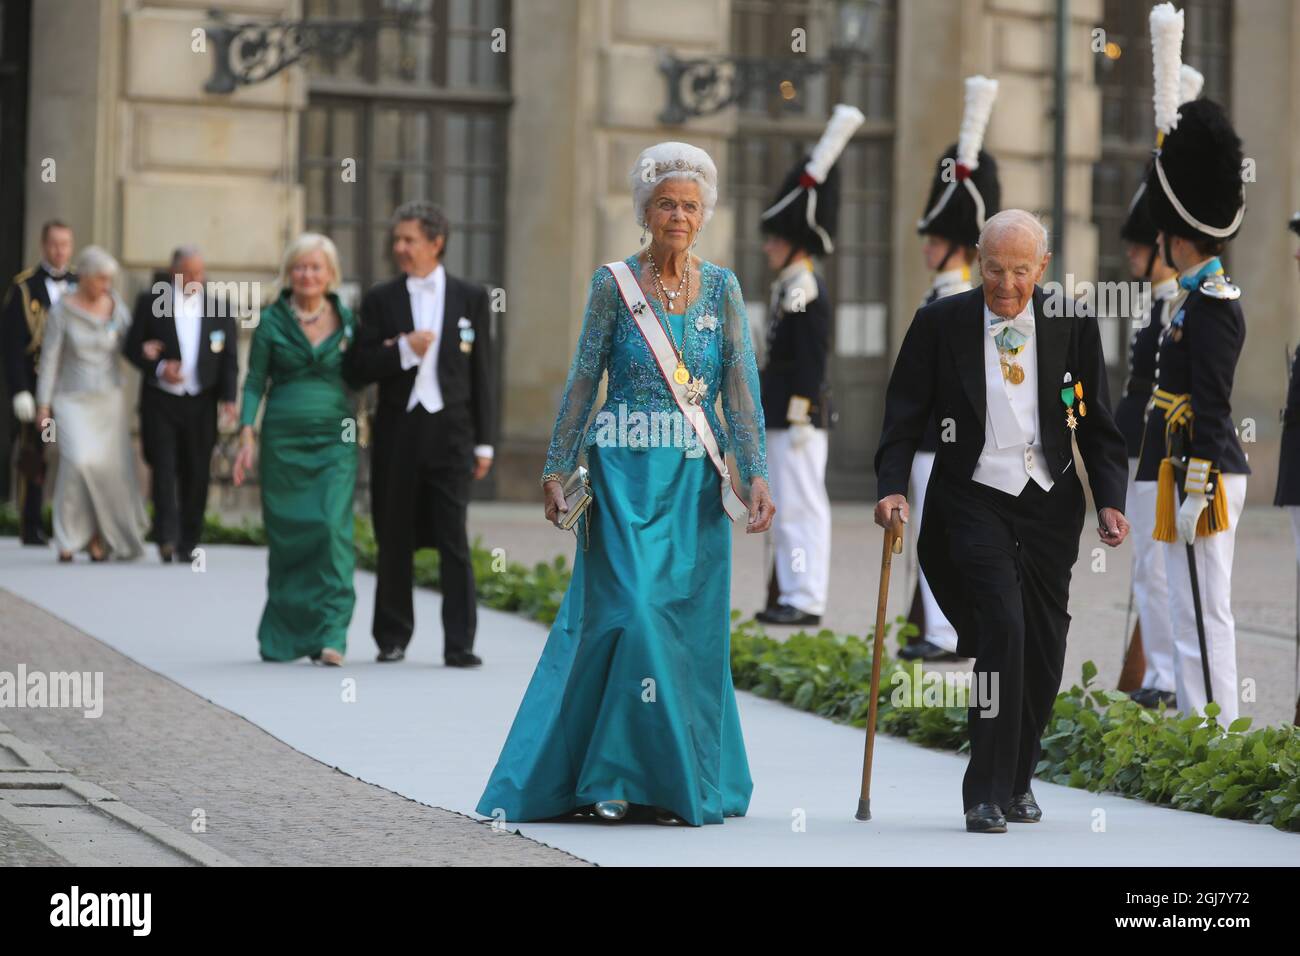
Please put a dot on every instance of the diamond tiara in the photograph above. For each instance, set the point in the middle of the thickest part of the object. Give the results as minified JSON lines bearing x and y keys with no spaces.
{"x":677,"y":165}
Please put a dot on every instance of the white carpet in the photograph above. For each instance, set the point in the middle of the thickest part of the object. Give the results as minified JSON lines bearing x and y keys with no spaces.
{"x":433,"y":734}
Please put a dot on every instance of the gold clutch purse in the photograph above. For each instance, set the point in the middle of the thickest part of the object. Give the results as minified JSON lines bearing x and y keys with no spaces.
{"x":577,"y":497}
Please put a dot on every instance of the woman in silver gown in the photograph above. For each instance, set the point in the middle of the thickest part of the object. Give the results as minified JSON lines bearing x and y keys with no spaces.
{"x":97,"y":501}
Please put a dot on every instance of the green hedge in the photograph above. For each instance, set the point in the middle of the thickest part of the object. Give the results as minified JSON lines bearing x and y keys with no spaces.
{"x":1097,"y":739}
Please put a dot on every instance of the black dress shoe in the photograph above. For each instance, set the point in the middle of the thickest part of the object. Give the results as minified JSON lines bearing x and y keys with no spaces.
{"x":925,"y":651}
{"x":462,"y":659}
{"x":1153,"y":697}
{"x":36,"y":539}
{"x":1166,"y":697}
{"x":166,"y":553}
{"x":787,"y":615}
{"x":1024,"y":809}
{"x":389,"y":654}
{"x":985,"y":818}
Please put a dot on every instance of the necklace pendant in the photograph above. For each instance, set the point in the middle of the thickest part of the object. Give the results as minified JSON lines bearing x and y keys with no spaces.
{"x":681,"y":376}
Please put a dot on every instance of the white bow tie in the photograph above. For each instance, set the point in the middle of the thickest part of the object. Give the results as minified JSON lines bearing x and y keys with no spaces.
{"x":427,"y":284}
{"x":1023,"y":324}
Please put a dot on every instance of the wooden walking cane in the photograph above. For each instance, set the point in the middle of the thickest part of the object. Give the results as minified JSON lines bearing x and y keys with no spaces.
{"x":893,"y":545}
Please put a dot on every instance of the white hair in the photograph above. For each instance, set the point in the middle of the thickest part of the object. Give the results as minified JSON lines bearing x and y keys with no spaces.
{"x":95,"y":261}
{"x":1016,"y":220}
{"x":304,"y":244}
{"x":665,"y":161}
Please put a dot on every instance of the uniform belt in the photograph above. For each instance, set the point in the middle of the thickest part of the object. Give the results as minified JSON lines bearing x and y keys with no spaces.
{"x":1177,"y":408}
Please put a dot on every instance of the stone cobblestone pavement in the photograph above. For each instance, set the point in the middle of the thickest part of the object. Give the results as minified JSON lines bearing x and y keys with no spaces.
{"x":168,"y":752}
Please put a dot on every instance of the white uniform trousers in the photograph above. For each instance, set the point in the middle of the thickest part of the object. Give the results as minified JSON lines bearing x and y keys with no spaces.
{"x":937,"y":629}
{"x":1150,"y":589}
{"x":1214,"y":575}
{"x":801,"y":531}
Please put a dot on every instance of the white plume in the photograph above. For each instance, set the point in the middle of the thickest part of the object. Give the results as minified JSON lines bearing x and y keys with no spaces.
{"x":839,"y":130}
{"x":1166,"y":59}
{"x":1190,"y":83}
{"x":980,"y":94}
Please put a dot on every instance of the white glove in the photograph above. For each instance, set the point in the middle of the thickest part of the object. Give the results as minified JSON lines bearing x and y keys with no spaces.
{"x":799,"y":435}
{"x":24,"y":407}
{"x":1189,"y":512}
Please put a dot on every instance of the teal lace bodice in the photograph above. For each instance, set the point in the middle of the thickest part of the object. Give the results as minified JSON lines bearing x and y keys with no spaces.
{"x":717,"y":348}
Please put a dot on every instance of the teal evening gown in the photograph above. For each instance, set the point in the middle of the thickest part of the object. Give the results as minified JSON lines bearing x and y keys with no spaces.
{"x":632,"y":698}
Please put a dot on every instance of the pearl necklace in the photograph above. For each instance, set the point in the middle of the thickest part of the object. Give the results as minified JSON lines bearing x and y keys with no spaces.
{"x":309,"y":319}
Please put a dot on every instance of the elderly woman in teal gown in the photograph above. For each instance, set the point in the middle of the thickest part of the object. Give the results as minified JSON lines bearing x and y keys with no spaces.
{"x":632,"y":701}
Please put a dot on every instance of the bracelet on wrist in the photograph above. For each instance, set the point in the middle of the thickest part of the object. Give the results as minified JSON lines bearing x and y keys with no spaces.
{"x":552,"y":476}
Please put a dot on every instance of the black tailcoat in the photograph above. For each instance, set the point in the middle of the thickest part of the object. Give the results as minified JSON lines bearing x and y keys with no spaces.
{"x":939,"y":373}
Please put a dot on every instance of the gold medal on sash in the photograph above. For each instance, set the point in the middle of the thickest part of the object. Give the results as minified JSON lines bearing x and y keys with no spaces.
{"x":681,"y":376}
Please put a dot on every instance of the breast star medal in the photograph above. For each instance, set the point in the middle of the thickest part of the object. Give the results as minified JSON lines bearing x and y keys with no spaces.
{"x":696,"y":390}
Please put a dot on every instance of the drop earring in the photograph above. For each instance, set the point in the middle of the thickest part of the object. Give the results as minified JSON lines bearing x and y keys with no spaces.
{"x":644,"y":229}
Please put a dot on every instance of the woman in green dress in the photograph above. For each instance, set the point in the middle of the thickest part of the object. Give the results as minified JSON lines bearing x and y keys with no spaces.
{"x":308,"y":457}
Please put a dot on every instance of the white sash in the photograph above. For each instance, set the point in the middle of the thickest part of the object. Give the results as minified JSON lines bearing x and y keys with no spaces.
{"x":666,"y":358}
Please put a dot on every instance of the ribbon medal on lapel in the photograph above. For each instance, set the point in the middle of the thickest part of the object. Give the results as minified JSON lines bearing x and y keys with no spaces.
{"x":217,"y":340}
{"x":1069,"y":393}
{"x":466,"y":335}
{"x":1175,"y":330}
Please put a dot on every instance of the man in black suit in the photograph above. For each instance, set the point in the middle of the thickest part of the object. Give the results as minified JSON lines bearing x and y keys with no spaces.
{"x":425,"y":338}
{"x":187,"y":357}
{"x":1014,"y":373}
{"x":22,"y":326}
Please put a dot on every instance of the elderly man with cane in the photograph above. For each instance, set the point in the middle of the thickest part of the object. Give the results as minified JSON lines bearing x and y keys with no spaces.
{"x":1019,"y":373}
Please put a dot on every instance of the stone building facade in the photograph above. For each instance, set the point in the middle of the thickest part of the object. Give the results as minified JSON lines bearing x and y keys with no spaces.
{"x":524,"y":118}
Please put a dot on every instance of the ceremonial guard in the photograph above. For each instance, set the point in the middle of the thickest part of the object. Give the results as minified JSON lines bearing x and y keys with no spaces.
{"x":1148,"y":672}
{"x":22,"y":325}
{"x":964,"y":193}
{"x":798,"y":225}
{"x":1287,"y":494}
{"x":1197,"y":202}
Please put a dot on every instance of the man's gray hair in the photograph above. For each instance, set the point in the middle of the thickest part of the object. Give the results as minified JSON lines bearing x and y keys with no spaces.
{"x":433,"y":221}
{"x":181,"y":253}
{"x":1016,"y":220}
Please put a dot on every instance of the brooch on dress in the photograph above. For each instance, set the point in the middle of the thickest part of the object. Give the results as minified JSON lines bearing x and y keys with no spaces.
{"x":706,"y":322}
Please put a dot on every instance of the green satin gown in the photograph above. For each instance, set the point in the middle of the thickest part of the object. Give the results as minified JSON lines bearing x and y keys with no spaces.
{"x":307,"y":473}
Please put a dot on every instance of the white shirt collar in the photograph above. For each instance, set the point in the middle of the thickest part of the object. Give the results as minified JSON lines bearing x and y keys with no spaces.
{"x":1164,"y":289}
{"x":949,"y":277}
{"x":432,"y":281}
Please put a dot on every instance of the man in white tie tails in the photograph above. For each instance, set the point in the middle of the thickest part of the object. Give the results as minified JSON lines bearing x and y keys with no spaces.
{"x":425,"y":338}
{"x":1019,"y":375}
